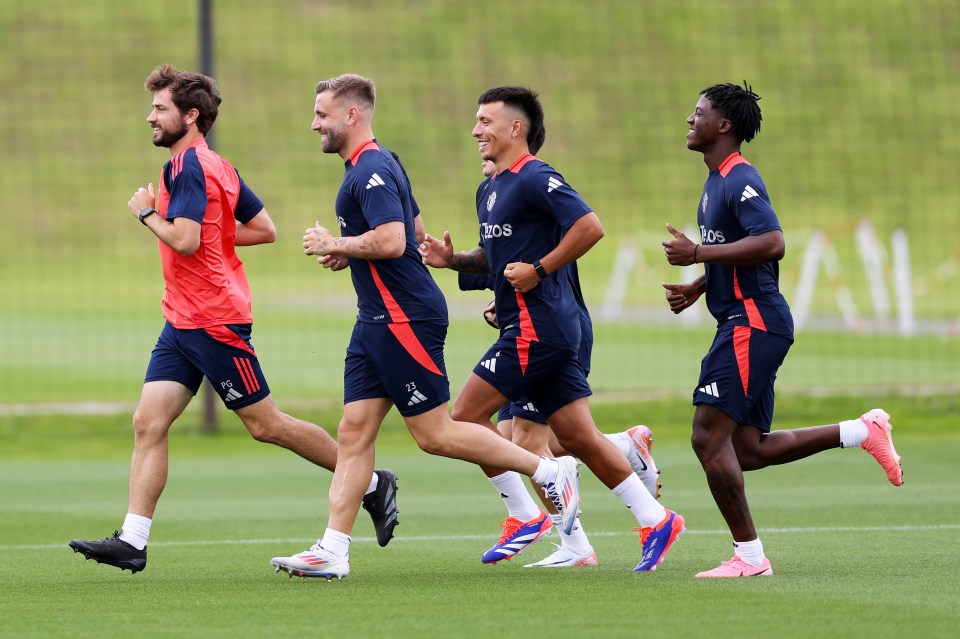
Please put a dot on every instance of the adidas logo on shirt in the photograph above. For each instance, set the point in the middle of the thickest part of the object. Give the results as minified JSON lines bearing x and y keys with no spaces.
{"x":710,"y":389}
{"x":416,"y":398}
{"x":233,"y":395}
{"x":748,"y":193}
{"x":553,"y":183}
{"x":490,"y":364}
{"x":375,"y":180}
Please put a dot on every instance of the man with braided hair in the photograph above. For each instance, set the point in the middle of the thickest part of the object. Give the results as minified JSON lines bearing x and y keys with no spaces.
{"x":741,"y":243}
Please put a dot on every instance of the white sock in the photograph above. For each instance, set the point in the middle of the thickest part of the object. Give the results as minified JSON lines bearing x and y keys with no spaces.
{"x":750,"y":551}
{"x":136,"y":530}
{"x":638,"y":499}
{"x":374,"y":482}
{"x":621,"y":441}
{"x":547,"y":471}
{"x":336,"y":542}
{"x":852,"y":433}
{"x":576,"y":542}
{"x":515,"y":496}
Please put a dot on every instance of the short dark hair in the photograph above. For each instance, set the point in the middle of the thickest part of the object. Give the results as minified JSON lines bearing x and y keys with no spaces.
{"x":739,"y":105}
{"x":188,"y":91}
{"x":351,"y":85}
{"x":527,"y":101}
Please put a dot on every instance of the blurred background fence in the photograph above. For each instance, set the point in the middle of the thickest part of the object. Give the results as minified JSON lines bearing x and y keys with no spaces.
{"x":860,"y":151}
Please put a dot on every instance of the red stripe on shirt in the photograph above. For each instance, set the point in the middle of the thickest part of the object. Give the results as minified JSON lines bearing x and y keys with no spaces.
{"x":177,"y":166}
{"x":408,"y":339}
{"x":732,"y":160}
{"x":749,"y":305}
{"x":366,"y":146}
{"x":528,"y":333}
{"x":741,"y":346}
{"x":519,"y":164}
{"x":396,"y":313}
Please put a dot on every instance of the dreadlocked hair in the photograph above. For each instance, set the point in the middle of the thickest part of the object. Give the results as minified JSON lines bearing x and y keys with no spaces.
{"x":739,"y":105}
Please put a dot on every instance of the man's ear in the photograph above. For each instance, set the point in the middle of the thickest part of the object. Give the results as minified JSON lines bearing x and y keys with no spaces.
{"x":353,"y":114}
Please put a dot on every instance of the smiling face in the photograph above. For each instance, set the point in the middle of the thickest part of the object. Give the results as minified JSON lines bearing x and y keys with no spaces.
{"x":705,"y":126}
{"x":169,"y":125}
{"x":329,"y":120}
{"x":498,"y":132}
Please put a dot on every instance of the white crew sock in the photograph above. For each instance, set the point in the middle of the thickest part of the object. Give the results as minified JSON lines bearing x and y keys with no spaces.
{"x":852,"y":433}
{"x":638,"y":499}
{"x":621,"y":441}
{"x":547,"y":471}
{"x":750,"y":551}
{"x":374,"y":482}
{"x":515,"y":496}
{"x":136,"y":530}
{"x":576,"y":542}
{"x":336,"y":542}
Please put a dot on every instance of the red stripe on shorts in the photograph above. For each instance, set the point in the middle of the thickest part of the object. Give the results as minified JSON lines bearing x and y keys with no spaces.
{"x":741,"y":346}
{"x":528,"y":334}
{"x":225,"y":336}
{"x":243,"y":375}
{"x":251,"y":374}
{"x":412,"y":345}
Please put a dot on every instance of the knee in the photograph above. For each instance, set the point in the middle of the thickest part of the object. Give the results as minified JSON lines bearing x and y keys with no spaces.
{"x":352,"y":434}
{"x":574,"y":442}
{"x":262,"y":430}
{"x":703,"y":442}
{"x":147,"y":427}
{"x":528,"y":440}
{"x":429,"y":441}
{"x":699,"y":443}
{"x":461,"y":413}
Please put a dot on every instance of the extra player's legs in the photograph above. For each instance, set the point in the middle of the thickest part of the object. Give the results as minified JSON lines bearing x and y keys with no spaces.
{"x":577,"y":433}
{"x":266,"y":423}
{"x":574,"y":549}
{"x":534,"y":437}
{"x":525,"y":522}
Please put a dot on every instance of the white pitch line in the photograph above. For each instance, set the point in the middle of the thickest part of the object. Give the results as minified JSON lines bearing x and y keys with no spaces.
{"x":432,"y":538}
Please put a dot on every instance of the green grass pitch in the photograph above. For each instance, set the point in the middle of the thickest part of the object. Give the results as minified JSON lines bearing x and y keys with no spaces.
{"x":853,"y":556}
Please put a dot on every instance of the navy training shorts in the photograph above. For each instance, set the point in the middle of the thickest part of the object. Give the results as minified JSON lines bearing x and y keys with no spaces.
{"x":223,"y":354}
{"x":400,"y":361}
{"x":738,"y":373}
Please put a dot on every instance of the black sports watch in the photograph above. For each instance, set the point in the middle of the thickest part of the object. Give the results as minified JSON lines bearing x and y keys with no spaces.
{"x":541,"y":272}
{"x":145,"y":213}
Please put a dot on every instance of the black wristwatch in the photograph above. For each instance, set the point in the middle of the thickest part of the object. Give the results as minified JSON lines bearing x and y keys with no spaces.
{"x":541,"y":272}
{"x":145,"y":213}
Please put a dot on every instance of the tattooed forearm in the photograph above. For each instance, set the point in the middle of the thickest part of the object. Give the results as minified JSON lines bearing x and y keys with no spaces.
{"x":474,"y":261}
